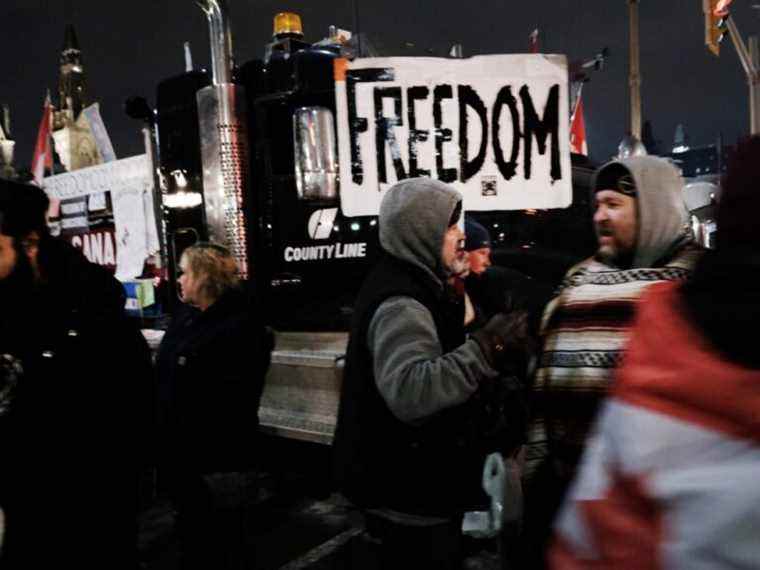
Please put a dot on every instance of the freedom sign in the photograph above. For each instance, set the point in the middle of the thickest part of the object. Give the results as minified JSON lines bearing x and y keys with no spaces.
{"x":495,"y":127}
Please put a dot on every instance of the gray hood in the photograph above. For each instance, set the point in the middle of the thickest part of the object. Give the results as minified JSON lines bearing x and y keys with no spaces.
{"x":414,"y":217}
{"x":661,"y":211}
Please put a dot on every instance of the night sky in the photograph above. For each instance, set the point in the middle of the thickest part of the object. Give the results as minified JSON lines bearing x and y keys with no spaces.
{"x":128,"y":47}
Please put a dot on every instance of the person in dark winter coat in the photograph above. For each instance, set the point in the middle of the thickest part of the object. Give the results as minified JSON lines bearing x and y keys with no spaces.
{"x":489,"y":290}
{"x":210,"y":372}
{"x":409,"y":443}
{"x":494,"y":289}
{"x":72,"y":426}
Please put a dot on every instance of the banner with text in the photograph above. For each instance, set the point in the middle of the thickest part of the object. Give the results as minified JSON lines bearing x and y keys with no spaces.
{"x":495,"y":127}
{"x":107,"y":212}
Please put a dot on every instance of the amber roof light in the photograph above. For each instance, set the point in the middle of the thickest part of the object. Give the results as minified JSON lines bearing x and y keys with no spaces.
{"x":287,"y":23}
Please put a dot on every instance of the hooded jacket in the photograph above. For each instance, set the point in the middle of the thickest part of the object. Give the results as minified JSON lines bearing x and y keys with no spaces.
{"x":585,"y":330}
{"x":405,"y":426}
{"x":672,"y":464}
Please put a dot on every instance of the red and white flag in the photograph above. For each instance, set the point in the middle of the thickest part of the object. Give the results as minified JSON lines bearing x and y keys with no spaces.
{"x":43,"y":150}
{"x":578,"y":130}
{"x":533,"y":41}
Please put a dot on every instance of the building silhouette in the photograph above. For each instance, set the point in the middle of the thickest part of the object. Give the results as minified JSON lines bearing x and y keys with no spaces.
{"x":74,"y":142}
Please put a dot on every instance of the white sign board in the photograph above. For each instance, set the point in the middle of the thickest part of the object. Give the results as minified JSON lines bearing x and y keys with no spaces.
{"x":495,"y":127}
{"x":134,"y":236}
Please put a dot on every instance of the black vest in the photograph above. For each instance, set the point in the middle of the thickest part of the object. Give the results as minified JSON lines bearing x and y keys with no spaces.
{"x":430,"y":469}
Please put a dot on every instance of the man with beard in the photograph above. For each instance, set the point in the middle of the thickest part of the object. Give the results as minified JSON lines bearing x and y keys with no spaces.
{"x":640,"y":226}
{"x":669,"y":477}
{"x":70,"y":430}
{"x":410,"y":441}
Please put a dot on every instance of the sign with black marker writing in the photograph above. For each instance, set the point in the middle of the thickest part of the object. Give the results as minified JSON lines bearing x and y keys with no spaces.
{"x":495,"y":127}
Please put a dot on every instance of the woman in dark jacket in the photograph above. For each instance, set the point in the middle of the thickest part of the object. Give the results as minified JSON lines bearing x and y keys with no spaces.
{"x":211,"y":367}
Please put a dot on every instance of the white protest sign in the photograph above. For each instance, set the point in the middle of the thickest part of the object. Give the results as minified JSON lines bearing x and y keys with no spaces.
{"x":131,"y":233}
{"x":134,"y":235}
{"x":495,"y":127}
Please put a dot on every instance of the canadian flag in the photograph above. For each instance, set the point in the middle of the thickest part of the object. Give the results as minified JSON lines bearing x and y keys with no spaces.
{"x":578,"y":130}
{"x":43,"y":151}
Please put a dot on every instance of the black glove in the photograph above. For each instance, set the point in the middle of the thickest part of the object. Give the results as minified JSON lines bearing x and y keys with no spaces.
{"x":505,"y":340}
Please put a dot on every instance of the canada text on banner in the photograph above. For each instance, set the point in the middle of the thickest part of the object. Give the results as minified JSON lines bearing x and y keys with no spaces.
{"x":107,"y":212}
{"x":495,"y":127}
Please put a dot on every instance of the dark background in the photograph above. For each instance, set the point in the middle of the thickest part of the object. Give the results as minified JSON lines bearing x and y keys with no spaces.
{"x":128,"y":47}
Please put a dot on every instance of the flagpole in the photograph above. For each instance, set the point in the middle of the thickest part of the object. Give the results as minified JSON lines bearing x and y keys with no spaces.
{"x":634,"y":74}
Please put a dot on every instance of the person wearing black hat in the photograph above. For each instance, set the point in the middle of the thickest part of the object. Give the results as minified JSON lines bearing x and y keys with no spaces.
{"x":675,"y":451}
{"x":494,"y":289}
{"x":71,"y":431}
{"x":643,"y":238}
{"x":478,"y":246}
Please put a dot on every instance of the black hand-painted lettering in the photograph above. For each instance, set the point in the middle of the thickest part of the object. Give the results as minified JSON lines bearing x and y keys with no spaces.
{"x":468,"y":97}
{"x":356,"y":124}
{"x":540,"y":128}
{"x":505,"y":97}
{"x":384,"y":132}
{"x":415,"y":135}
{"x":442,"y":135}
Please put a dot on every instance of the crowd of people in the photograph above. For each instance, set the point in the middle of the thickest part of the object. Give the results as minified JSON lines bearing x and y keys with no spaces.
{"x":84,"y":411}
{"x":627,"y":397}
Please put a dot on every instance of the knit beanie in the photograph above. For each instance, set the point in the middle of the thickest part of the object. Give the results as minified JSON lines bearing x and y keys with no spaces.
{"x":476,"y":236}
{"x":615,"y":176}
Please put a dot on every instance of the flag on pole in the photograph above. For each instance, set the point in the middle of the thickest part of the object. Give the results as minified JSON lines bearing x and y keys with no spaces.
{"x":99,"y":133}
{"x":43,"y":150}
{"x":578,"y":129}
{"x":533,"y":41}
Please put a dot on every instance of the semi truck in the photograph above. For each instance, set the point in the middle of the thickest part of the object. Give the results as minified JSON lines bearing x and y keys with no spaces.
{"x":266,"y":157}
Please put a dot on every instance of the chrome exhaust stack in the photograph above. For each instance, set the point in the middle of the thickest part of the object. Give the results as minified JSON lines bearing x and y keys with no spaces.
{"x":222,"y":118}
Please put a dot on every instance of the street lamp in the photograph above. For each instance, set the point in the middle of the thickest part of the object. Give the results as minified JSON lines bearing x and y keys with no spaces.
{"x":634,"y":75}
{"x":631,"y":143}
{"x":631,"y":146}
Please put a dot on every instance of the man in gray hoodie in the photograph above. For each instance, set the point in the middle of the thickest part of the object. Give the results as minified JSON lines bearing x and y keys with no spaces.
{"x":643,"y":239}
{"x":410,"y":440}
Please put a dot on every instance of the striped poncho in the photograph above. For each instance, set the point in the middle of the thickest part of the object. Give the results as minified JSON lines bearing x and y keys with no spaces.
{"x":585,"y":329}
